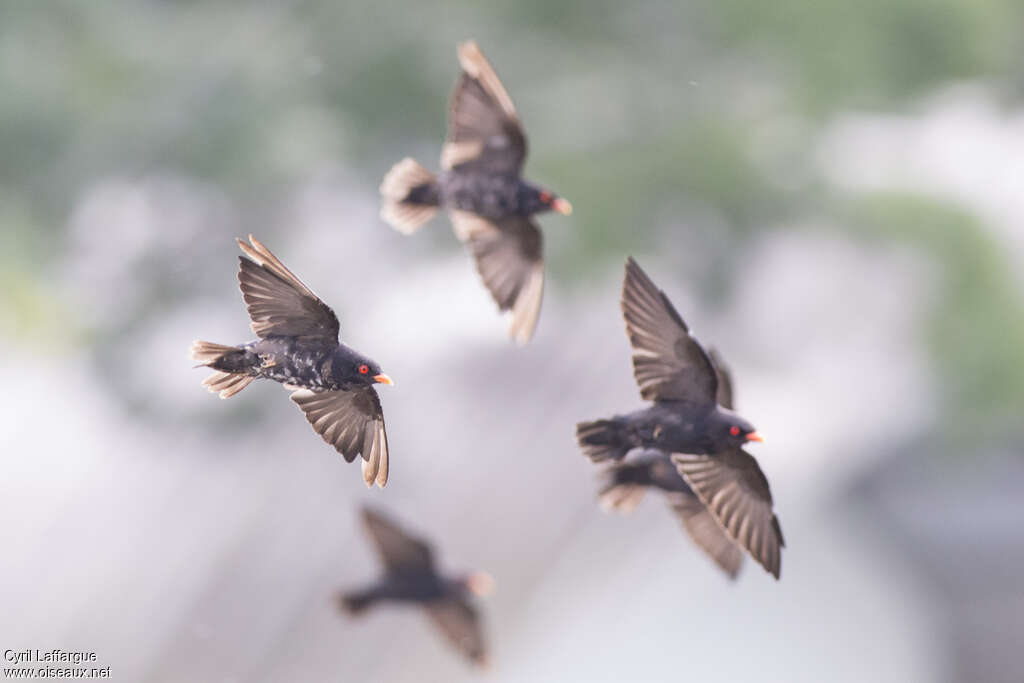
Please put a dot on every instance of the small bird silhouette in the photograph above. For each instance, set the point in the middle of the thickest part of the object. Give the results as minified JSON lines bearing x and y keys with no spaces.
{"x":298,"y":346}
{"x":410,"y":577}
{"x":482,"y":188}
{"x":687,"y":421}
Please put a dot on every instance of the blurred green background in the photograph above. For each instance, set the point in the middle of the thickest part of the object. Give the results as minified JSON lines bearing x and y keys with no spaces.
{"x":702,"y":116}
{"x":866,"y":156}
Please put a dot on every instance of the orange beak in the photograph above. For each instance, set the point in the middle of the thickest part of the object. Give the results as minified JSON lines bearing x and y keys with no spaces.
{"x":383,"y":379}
{"x":480,"y":584}
{"x":562,"y":206}
{"x":754,"y":436}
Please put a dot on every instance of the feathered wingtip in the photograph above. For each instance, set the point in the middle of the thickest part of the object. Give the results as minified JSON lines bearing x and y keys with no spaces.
{"x":375,"y":470}
{"x":473,"y":62}
{"x":522,"y":319}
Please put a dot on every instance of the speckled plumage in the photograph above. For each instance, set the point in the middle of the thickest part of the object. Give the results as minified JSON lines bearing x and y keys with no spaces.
{"x":300,"y":364}
{"x":299,"y":347}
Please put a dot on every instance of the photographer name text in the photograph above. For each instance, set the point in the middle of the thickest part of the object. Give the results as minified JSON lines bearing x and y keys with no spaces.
{"x":49,"y":656}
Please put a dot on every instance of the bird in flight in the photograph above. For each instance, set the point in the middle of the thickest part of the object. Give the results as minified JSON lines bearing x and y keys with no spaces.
{"x":627,"y":482}
{"x":481,"y":186}
{"x":298,"y":346}
{"x":411,"y":577}
{"x":688,"y":422}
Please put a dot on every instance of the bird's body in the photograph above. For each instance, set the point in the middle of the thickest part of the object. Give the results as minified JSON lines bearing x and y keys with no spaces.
{"x":691,"y":422}
{"x":299,"y":347}
{"x":481,"y":187}
{"x":410,"y":577}
{"x":296,"y":363}
{"x":397,"y":587}
{"x":669,"y":426}
{"x":492,"y":196}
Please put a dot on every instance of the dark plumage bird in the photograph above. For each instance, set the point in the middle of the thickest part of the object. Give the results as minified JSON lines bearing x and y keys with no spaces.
{"x":627,"y":482}
{"x":481,"y":186}
{"x":704,"y":438}
{"x":298,"y":346}
{"x":411,"y":577}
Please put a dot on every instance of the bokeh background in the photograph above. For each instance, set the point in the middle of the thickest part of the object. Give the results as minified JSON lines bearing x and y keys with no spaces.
{"x":832,"y":194}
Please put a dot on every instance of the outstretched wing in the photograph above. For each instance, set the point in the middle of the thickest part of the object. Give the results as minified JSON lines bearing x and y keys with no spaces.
{"x":399,"y":551}
{"x":734,"y":489}
{"x":700,"y":524}
{"x":353,"y":422}
{"x":279,"y":303}
{"x":668,"y":363}
{"x":509,"y":259}
{"x":484,"y":132}
{"x":724,"y":396}
{"x":460,"y":623}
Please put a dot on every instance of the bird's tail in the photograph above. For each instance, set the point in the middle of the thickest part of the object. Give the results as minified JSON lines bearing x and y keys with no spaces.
{"x":232,"y":372}
{"x":624,"y":488}
{"x":356,"y":602}
{"x":411,"y":196}
{"x":603,"y":440}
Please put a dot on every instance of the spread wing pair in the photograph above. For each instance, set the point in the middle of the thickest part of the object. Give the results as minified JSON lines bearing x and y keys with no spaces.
{"x":485,"y":136}
{"x":670,"y":365}
{"x":407,"y":556}
{"x":490,"y":205}
{"x":280,"y":305}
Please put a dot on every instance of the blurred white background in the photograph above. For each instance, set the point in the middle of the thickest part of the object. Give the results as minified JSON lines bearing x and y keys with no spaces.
{"x":831,"y":201}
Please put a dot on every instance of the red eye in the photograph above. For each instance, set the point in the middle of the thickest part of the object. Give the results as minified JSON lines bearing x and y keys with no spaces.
{"x":545,"y":197}
{"x":363,"y":369}
{"x":734,"y":430}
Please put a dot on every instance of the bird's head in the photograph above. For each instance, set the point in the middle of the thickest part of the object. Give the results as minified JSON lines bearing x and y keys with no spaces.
{"x":731,"y":429}
{"x":536,"y":200}
{"x":352,"y":368}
